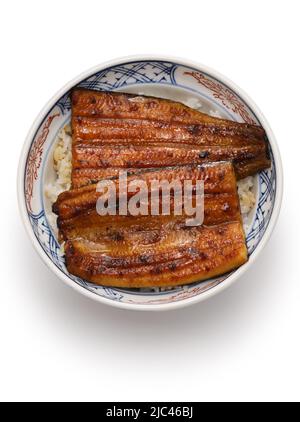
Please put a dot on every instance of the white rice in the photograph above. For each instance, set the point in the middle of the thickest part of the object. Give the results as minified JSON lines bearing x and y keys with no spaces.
{"x":62,"y":163}
{"x":246,"y":194}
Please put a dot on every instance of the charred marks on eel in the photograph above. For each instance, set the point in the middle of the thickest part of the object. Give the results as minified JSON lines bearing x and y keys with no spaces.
{"x":116,"y":236}
{"x":203,"y":154}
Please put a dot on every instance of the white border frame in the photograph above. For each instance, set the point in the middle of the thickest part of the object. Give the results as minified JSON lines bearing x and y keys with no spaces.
{"x":184,"y":302}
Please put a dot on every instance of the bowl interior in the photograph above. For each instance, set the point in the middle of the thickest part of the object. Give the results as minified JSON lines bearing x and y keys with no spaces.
{"x":157,"y":78}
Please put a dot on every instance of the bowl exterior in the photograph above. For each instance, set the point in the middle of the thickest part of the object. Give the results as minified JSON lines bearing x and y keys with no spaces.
{"x":180,"y":80}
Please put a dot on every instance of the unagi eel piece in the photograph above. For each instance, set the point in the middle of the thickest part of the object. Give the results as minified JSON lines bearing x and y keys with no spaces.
{"x":220,"y":191}
{"x":117,"y":130}
{"x":149,"y":251}
{"x":178,"y":255}
{"x":219,"y":208}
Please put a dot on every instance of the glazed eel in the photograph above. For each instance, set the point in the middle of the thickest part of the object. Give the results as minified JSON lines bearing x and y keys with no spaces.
{"x":111,"y":131}
{"x":149,"y":251}
{"x":172,"y":256}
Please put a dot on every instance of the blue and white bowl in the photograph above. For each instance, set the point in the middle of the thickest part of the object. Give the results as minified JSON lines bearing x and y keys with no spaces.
{"x":172,"y":78}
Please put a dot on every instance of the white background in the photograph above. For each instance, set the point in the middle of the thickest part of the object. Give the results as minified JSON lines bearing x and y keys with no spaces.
{"x":240,"y":345}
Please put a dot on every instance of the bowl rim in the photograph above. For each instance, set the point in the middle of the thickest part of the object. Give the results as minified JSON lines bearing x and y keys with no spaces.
{"x":184,"y":302}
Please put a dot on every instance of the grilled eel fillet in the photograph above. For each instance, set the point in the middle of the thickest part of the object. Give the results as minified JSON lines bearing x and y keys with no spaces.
{"x":149,"y":251}
{"x":178,"y":255}
{"x":111,"y":131}
{"x":220,"y":191}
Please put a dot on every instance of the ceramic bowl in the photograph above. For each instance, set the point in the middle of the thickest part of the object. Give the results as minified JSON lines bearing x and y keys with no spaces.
{"x":167,"y":77}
